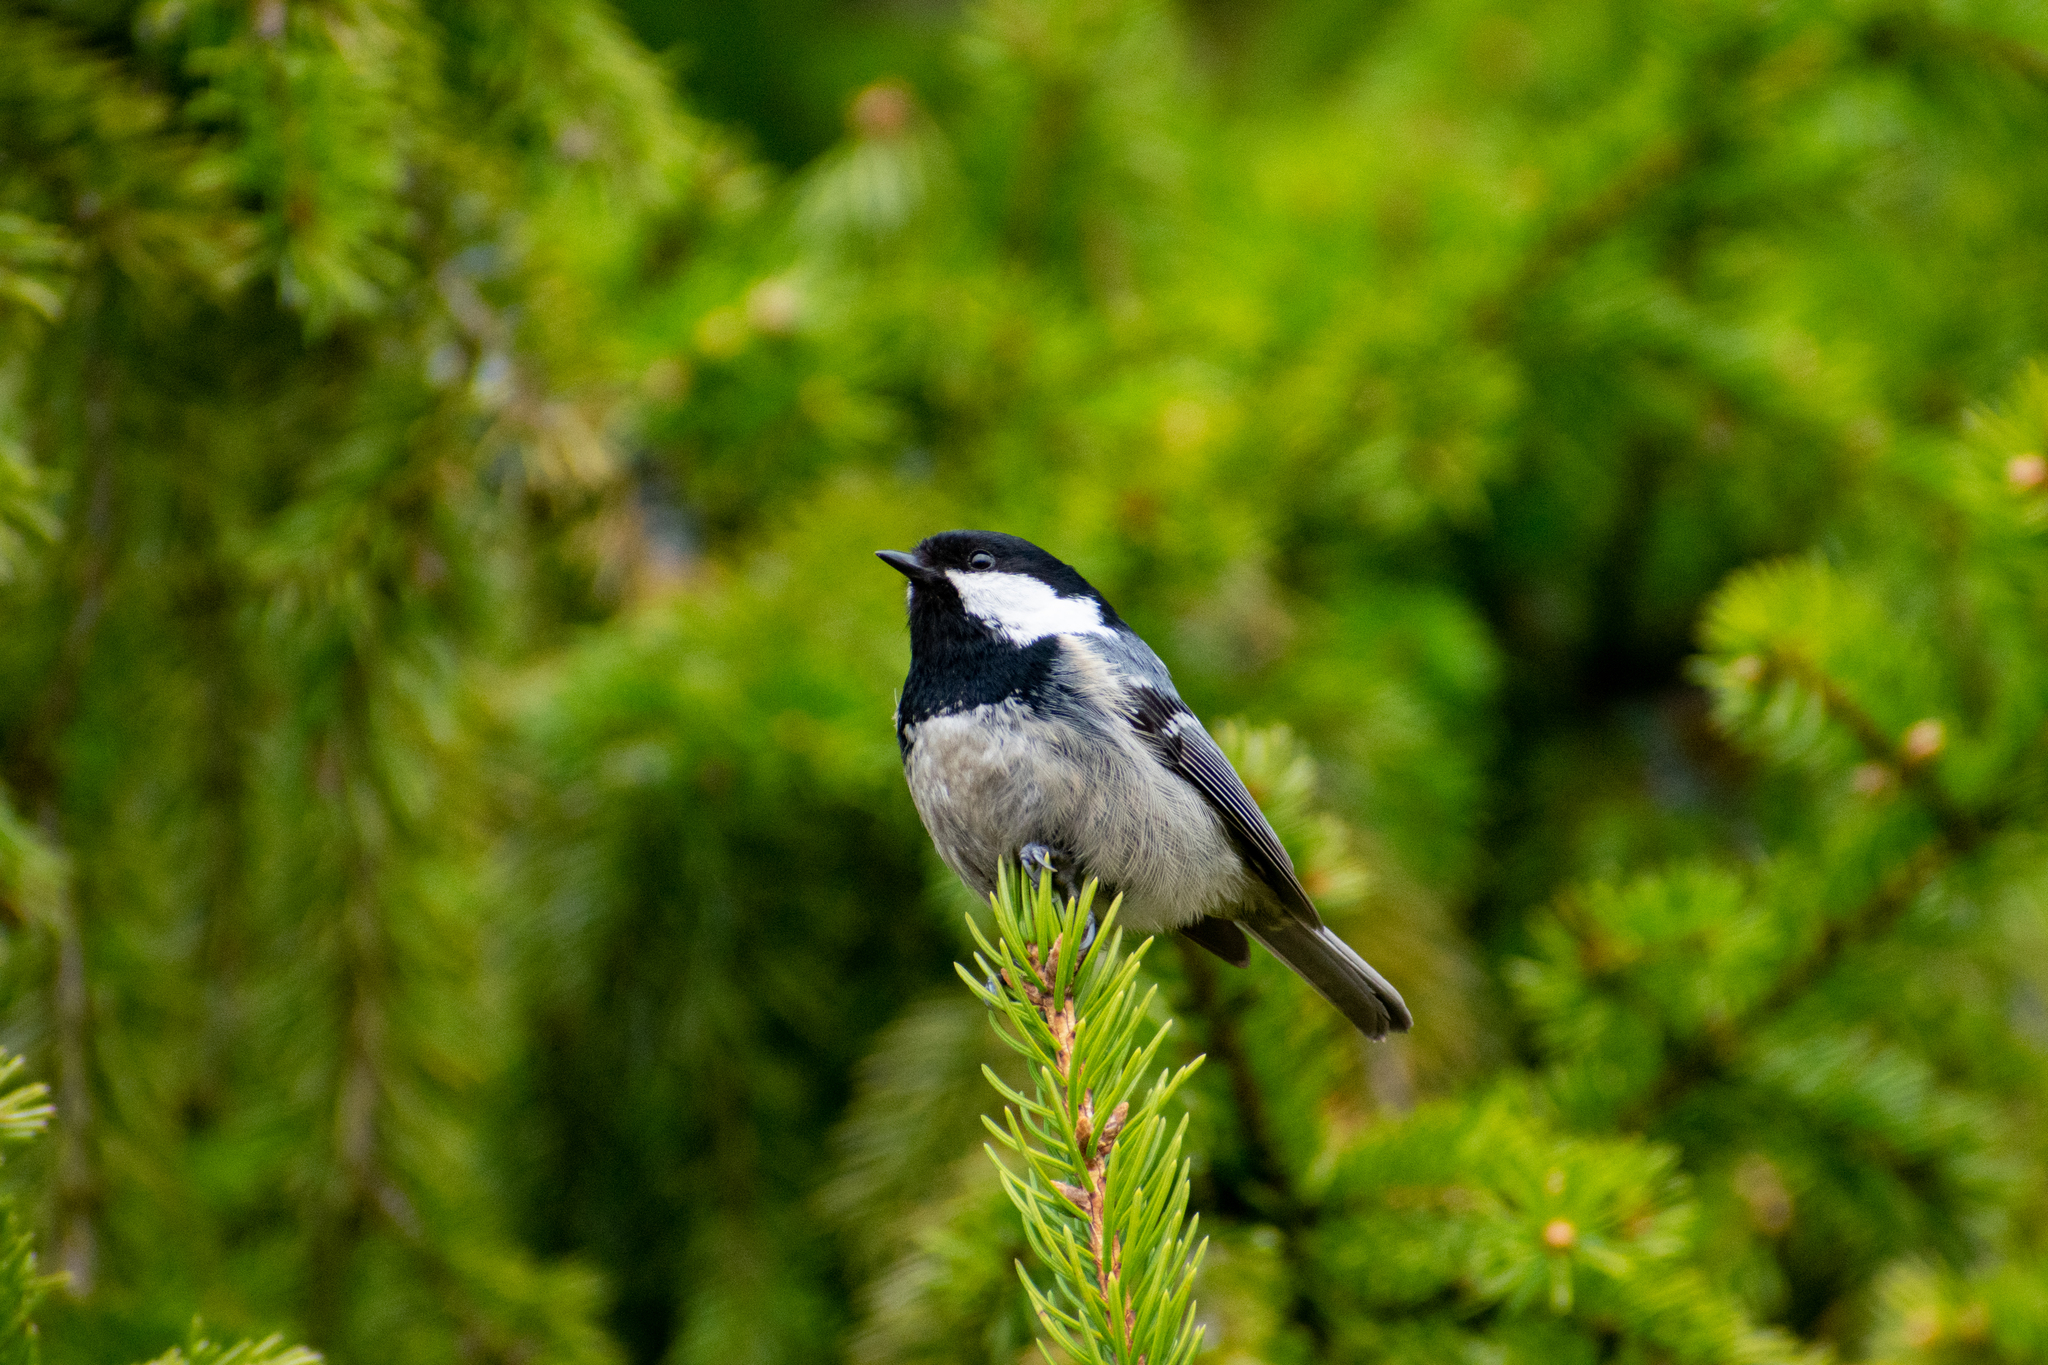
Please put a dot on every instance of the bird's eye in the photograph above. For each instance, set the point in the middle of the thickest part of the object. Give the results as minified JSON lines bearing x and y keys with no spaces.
{"x":981,"y":559}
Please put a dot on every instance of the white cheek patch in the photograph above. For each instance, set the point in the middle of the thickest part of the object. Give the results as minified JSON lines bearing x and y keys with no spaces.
{"x":1024,"y":609}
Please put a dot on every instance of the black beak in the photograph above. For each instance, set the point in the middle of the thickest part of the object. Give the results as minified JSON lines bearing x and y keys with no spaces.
{"x":905,"y":564}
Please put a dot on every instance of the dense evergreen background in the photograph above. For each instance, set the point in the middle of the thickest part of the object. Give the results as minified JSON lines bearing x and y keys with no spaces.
{"x":455,"y":873}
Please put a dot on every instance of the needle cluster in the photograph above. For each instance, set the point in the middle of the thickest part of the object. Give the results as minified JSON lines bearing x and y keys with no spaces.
{"x":1087,"y":1158}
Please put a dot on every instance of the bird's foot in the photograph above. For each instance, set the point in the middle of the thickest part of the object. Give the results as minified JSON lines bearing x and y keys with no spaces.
{"x":1039,"y":859}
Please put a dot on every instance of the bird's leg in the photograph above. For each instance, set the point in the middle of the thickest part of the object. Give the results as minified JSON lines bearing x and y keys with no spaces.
{"x":1038,"y":859}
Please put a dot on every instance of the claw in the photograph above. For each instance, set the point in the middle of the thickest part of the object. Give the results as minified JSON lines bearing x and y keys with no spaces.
{"x":1039,"y":859}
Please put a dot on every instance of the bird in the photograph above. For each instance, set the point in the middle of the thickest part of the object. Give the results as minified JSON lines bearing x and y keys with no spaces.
{"x":1036,"y":726}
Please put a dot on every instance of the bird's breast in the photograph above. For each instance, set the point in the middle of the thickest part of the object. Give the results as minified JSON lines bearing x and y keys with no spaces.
{"x":986,"y":780}
{"x":989,"y":779}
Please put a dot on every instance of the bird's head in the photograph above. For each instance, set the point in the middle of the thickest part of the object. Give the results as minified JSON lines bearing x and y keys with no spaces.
{"x":995,"y":586}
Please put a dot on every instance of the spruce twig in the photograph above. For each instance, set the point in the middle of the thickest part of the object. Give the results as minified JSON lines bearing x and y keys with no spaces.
{"x":1958,"y":833}
{"x":24,"y":1109}
{"x":1099,"y":1180}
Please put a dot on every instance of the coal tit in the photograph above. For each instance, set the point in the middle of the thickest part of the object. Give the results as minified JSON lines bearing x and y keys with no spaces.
{"x":1036,"y":724}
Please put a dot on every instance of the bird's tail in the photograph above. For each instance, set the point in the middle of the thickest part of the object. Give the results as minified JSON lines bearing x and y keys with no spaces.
{"x":1339,"y":975}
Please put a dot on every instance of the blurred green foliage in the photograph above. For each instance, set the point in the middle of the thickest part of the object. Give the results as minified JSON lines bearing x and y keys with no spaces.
{"x":455,"y":872}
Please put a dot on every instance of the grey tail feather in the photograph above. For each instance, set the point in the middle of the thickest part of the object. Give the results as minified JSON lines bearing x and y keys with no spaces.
{"x":1339,"y":975}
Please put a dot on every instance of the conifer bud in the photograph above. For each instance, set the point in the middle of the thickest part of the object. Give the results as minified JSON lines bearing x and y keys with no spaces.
{"x":775,"y":306}
{"x":1559,"y":1234}
{"x":1923,"y":1329}
{"x":2026,"y":472}
{"x":1924,"y":740}
{"x":1761,"y":1186}
{"x":883,"y":110}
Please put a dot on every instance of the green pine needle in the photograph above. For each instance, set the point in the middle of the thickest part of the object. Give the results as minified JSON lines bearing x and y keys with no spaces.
{"x":23,"y":1111}
{"x":1093,"y":1169}
{"x":271,"y":1350}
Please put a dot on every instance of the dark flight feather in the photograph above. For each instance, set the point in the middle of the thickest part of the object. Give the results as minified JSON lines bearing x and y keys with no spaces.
{"x":1318,"y":956}
{"x":1184,"y":746}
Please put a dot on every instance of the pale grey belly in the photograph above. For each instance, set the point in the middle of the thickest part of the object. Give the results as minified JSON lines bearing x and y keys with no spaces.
{"x":990,"y":780}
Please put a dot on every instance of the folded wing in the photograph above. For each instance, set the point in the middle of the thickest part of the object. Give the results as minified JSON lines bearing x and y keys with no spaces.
{"x":1318,"y":956}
